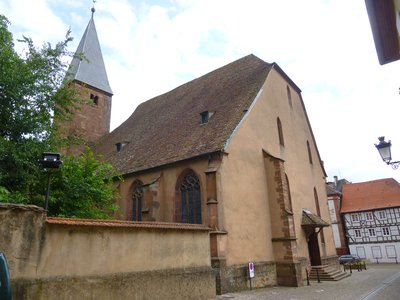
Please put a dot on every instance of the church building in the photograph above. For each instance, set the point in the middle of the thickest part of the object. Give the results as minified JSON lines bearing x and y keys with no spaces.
{"x":232,"y":150}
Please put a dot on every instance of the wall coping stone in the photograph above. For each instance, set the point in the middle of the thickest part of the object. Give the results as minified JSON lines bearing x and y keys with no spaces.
{"x":126,"y":224}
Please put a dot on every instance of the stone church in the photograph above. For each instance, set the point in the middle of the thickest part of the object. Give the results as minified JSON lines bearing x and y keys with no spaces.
{"x":232,"y":150}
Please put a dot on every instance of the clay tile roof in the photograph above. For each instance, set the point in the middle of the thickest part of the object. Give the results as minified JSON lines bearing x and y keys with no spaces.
{"x":167,"y":128}
{"x":126,"y":224}
{"x":376,"y":194}
{"x":310,"y":219}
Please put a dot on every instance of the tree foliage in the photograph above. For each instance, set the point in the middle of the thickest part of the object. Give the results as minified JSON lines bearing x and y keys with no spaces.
{"x":84,"y":188}
{"x":33,"y":92}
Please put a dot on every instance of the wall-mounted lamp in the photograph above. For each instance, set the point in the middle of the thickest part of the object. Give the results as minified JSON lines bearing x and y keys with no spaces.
{"x":385,"y":153}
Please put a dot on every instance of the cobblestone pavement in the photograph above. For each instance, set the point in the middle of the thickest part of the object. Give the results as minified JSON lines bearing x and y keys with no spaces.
{"x":379,"y":281}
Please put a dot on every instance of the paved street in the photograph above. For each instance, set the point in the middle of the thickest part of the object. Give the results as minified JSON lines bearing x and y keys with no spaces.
{"x":377,"y":282}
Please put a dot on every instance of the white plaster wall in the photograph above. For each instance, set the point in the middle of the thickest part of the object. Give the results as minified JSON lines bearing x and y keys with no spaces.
{"x":336,"y":236}
{"x":382,"y":253}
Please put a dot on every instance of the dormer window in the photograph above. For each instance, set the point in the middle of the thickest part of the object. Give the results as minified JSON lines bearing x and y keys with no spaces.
{"x":95,"y":98}
{"x":205,"y":116}
{"x":120,"y":145}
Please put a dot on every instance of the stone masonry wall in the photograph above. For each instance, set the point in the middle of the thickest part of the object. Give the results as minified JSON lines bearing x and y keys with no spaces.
{"x":51,"y":258}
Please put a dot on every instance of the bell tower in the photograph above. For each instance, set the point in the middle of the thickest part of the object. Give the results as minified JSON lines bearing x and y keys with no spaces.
{"x":91,"y":117}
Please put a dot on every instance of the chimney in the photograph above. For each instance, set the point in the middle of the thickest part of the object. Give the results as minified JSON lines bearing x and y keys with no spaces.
{"x":336,"y":180}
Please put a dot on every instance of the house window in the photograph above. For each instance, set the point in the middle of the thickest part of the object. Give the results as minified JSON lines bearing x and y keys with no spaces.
{"x":289,"y":95}
{"x":280,"y":132}
{"x":357,"y":233}
{"x":137,"y":199}
{"x":381,"y":215}
{"x":371,"y":232}
{"x":368,"y":216}
{"x":385,"y":231}
{"x":190,"y":199}
{"x":355,"y":218}
{"x":95,"y":99}
{"x":309,"y":153}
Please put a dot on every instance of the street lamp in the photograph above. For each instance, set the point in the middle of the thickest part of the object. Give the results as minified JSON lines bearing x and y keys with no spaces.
{"x":386,"y":155}
{"x":48,"y":162}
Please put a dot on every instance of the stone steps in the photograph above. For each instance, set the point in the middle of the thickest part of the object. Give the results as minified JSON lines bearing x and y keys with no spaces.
{"x":327,"y":273}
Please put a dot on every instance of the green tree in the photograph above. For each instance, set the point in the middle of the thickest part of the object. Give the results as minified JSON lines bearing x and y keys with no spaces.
{"x":31,"y":94}
{"x":34,"y":92}
{"x":83,"y":188}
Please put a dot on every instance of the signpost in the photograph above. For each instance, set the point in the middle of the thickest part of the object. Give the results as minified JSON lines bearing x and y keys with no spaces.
{"x":251,"y":272}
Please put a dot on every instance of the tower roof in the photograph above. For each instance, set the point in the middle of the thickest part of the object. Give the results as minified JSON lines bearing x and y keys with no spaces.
{"x":87,"y":66}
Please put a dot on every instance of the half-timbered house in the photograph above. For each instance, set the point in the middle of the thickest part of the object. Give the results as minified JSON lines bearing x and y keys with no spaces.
{"x":371,"y":212}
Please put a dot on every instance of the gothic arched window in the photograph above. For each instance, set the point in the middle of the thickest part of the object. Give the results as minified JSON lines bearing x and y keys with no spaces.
{"x":190,"y":200}
{"x":290,"y":206}
{"x":309,"y":153}
{"x":318,"y":213}
{"x":137,"y":199}
{"x":289,"y":95}
{"x":280,"y":132}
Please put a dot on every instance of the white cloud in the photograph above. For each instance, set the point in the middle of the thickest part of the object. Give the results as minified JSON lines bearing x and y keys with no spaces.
{"x":326,"y":47}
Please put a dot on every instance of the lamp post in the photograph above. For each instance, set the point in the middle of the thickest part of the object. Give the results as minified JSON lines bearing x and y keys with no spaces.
{"x":48,"y":162}
{"x":385,"y":153}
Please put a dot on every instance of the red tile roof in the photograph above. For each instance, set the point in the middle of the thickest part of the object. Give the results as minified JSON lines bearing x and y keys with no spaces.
{"x":130,"y":224}
{"x":167,"y":128}
{"x":376,"y":194}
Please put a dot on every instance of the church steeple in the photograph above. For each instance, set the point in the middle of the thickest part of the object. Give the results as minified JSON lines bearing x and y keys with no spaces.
{"x":91,"y":118}
{"x":87,"y":66}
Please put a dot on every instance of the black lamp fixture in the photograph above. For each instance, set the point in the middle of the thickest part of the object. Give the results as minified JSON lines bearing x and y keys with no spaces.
{"x":50,"y":161}
{"x":386,"y":155}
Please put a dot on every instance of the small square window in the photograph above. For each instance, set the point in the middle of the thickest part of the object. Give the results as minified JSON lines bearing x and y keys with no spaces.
{"x":357,"y":233}
{"x":355,"y":218}
{"x":368,"y":216}
{"x":95,"y":98}
{"x":385,"y":231}
{"x":381,"y":214}
{"x":371,"y":231}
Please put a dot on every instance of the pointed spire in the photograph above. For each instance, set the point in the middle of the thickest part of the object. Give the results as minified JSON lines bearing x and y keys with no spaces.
{"x":87,"y":66}
{"x":93,"y":9}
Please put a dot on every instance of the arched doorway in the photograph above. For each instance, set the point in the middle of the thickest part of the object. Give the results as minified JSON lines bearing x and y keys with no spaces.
{"x":312,"y":225}
{"x":313,"y":249}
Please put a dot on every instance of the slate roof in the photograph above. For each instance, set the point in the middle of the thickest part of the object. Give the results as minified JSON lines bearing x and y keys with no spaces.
{"x":87,"y":66}
{"x":370,"y":195}
{"x":167,"y":128}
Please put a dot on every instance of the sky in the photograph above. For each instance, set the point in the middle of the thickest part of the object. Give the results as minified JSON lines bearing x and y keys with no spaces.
{"x":326,"y":47}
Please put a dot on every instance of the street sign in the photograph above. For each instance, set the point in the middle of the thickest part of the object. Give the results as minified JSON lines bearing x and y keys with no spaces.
{"x":251,"y":270}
